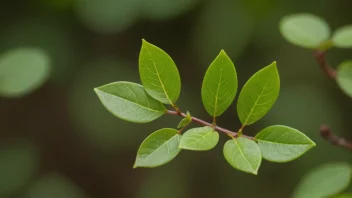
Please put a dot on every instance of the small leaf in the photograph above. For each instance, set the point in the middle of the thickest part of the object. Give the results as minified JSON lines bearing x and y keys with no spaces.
{"x":243,"y":154}
{"x":158,"y":148}
{"x":325,"y":181}
{"x":282,"y":144}
{"x":199,"y":139}
{"x":130,"y":102}
{"x":159,"y":74}
{"x":219,"y":85}
{"x":185,"y":121}
{"x":342,"y":37}
{"x":305,"y":30}
{"x":344,"y":77}
{"x":22,"y":71}
{"x":258,"y":95}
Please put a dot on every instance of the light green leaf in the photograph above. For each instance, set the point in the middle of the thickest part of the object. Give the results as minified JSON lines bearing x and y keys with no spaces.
{"x":130,"y":102}
{"x":243,"y":154}
{"x":199,"y":139}
{"x":325,"y":181}
{"x":305,"y":30}
{"x":185,"y":121}
{"x":282,"y":144}
{"x":159,"y":74}
{"x":219,"y":85}
{"x":158,"y":148}
{"x":258,"y":95}
{"x":344,"y":77}
{"x":22,"y":71}
{"x":342,"y":37}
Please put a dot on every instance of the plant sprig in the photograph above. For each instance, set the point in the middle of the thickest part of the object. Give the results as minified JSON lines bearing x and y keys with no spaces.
{"x":161,"y":85}
{"x":312,"y":32}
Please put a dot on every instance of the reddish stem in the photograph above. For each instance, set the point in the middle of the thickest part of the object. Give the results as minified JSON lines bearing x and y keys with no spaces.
{"x":329,"y":71}
{"x":326,"y":133}
{"x":204,"y":123}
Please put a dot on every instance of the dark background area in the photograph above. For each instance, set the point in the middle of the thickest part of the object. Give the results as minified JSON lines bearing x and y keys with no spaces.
{"x":59,"y":141}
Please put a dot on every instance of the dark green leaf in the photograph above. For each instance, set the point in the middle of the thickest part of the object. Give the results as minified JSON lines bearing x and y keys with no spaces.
{"x":282,"y":144}
{"x":159,"y":74}
{"x":158,"y":148}
{"x":344,"y":77}
{"x":219,"y":85}
{"x":304,"y":30}
{"x":130,"y":102}
{"x":342,"y":37}
{"x":22,"y":71}
{"x":258,"y":95}
{"x":325,"y":181}
{"x":199,"y":139}
{"x":243,"y":154}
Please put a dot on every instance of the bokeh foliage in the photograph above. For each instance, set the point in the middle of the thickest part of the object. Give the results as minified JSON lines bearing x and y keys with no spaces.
{"x":59,"y":139}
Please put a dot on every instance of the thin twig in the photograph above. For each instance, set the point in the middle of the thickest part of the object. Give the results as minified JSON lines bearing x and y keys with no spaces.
{"x":204,"y":123}
{"x":327,"y":134}
{"x":329,"y":71}
{"x":325,"y":131}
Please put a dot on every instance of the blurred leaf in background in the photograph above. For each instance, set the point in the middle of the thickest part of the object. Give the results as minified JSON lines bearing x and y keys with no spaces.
{"x":107,"y":16}
{"x":22,"y":71}
{"x":165,"y":9}
{"x":18,"y":165}
{"x":52,"y":35}
{"x":325,"y":181}
{"x":54,"y":185}
{"x":169,"y":181}
{"x":224,"y":25}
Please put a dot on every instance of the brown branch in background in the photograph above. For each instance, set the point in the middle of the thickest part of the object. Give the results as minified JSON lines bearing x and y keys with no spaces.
{"x":320,"y":57}
{"x":327,"y":134}
{"x":204,"y":123}
{"x":325,"y":131}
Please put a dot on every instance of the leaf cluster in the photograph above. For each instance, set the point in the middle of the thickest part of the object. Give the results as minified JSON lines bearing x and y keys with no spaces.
{"x":161,"y":87}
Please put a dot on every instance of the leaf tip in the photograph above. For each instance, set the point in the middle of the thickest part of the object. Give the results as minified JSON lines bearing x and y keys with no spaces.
{"x":144,"y":42}
{"x":223,"y":52}
{"x":135,"y":166}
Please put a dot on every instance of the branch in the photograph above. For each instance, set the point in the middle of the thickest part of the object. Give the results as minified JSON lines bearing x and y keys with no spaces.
{"x":320,"y":57}
{"x":204,"y":123}
{"x":326,"y":133}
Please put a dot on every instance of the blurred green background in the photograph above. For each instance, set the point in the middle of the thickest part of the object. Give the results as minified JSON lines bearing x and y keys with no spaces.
{"x":58,"y":140}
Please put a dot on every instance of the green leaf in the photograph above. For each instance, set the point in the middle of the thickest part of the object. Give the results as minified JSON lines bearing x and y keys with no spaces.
{"x":325,"y":181}
{"x":258,"y":95}
{"x":282,"y":144}
{"x":22,"y":71}
{"x":344,"y":77}
{"x":185,"y":121}
{"x":199,"y":139}
{"x":243,"y":154}
{"x":130,"y":102}
{"x":159,"y":74}
{"x":158,"y":148}
{"x":305,"y":30}
{"x":219,"y":85}
{"x":342,"y":37}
